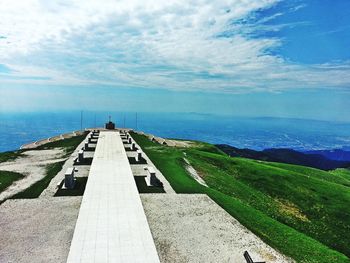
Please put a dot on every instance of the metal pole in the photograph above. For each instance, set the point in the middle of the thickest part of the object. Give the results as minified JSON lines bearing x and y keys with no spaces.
{"x":136,"y":120}
{"x":81,"y":120}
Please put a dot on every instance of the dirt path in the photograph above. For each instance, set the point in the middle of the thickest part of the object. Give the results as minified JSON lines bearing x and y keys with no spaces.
{"x":189,"y":168}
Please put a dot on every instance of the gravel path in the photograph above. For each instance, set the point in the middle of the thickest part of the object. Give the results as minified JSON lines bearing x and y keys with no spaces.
{"x":37,"y":230}
{"x":33,"y":145}
{"x":193,"y":228}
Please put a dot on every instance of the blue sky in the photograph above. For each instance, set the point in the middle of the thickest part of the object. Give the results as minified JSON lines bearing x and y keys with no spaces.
{"x":245,"y":58}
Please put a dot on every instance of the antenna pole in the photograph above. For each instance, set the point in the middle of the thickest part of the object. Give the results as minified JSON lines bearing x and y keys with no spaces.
{"x":136,"y":120}
{"x":81,"y":120}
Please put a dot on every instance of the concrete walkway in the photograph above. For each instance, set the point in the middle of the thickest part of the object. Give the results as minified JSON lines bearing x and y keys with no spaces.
{"x":111,"y":226}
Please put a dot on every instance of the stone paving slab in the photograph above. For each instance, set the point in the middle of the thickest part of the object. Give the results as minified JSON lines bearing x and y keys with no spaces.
{"x":111,"y":226}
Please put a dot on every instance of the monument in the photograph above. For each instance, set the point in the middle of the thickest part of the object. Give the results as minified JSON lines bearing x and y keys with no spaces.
{"x":110,"y":125}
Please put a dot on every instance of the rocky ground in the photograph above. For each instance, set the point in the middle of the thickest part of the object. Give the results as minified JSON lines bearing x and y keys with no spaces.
{"x":193,"y":228}
{"x":37,"y":230}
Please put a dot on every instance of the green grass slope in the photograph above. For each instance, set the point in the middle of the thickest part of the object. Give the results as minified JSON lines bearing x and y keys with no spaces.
{"x":9,"y":156}
{"x":290,"y":207}
{"x":7,"y":178}
{"x":316,"y":207}
{"x":68,"y":144}
{"x":342,"y":174}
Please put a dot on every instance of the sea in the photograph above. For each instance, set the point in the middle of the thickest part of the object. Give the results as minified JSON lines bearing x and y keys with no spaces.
{"x":242,"y":132}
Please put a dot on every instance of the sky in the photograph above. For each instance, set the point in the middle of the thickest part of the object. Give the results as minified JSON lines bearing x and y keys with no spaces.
{"x":233,"y":57}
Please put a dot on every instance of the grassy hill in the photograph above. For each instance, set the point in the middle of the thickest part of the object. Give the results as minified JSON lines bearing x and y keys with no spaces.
{"x":301,"y":211}
{"x":286,"y":156}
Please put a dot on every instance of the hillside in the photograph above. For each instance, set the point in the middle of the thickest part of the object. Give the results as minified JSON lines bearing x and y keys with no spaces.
{"x":301,"y":211}
{"x":337,"y":154}
{"x":315,"y":160}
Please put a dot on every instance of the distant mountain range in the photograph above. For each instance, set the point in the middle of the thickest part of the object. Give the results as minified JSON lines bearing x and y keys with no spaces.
{"x":337,"y":155}
{"x":321,"y":159}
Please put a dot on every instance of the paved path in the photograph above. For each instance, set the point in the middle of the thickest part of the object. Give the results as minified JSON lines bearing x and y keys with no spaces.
{"x":111,"y":226}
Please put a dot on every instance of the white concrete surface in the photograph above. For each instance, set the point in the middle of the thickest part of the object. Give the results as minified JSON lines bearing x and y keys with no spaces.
{"x":111,"y":226}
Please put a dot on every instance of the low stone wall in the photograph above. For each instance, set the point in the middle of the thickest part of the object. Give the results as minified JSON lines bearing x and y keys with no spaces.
{"x":35,"y":144}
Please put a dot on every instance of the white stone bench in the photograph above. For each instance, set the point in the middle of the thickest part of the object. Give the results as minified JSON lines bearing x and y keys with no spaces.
{"x":69,"y":180}
{"x":95,"y":134}
{"x":81,"y":156}
{"x":151,"y":178}
{"x":133,"y":146}
{"x":138,"y":156}
{"x":59,"y":184}
{"x":91,"y":139}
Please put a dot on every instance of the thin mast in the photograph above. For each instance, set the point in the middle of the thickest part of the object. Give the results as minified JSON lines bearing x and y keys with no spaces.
{"x":136,"y":120}
{"x":81,"y":120}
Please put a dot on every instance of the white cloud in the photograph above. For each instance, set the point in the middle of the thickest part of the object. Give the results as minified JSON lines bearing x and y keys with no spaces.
{"x":157,"y":44}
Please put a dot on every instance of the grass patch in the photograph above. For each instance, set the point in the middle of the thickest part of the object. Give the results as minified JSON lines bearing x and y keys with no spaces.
{"x":7,"y":178}
{"x":38,"y":187}
{"x":78,"y":190}
{"x":273,"y":202}
{"x":69,"y":144}
{"x":330,"y":176}
{"x":9,"y":156}
{"x":342,"y":174}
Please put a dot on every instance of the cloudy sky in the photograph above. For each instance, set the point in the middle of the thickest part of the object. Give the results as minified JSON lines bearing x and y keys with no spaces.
{"x":240,"y":57}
